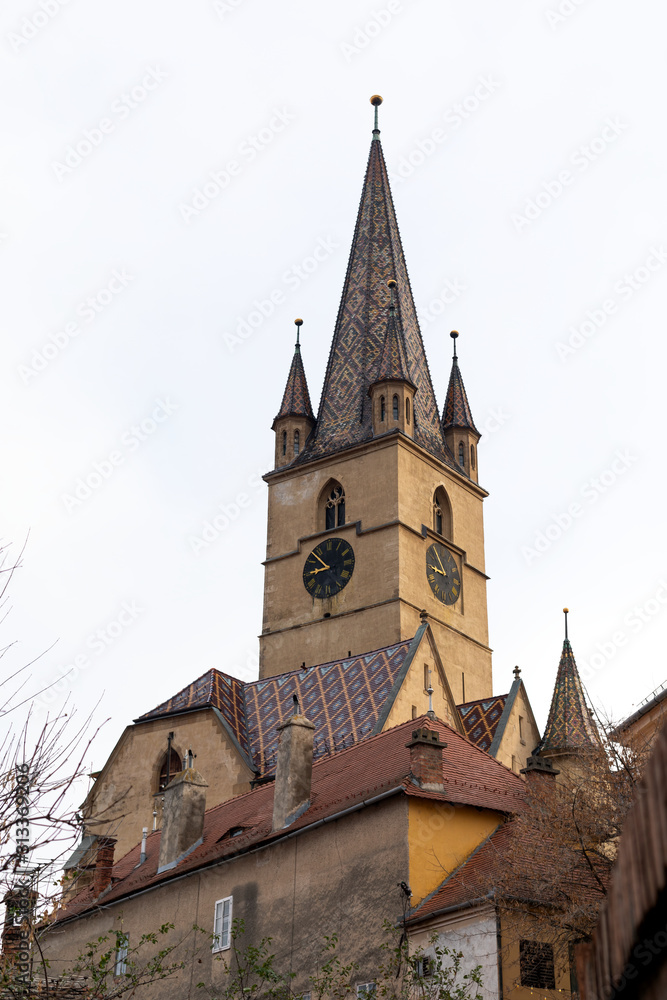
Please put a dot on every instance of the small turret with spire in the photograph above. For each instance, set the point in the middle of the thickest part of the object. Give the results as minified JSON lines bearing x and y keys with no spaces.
{"x":570,"y":733}
{"x":392,"y":392}
{"x":458,"y":427}
{"x":295,"y":419}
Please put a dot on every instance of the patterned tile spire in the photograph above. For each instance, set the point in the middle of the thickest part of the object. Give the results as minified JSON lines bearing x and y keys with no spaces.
{"x":296,"y":400}
{"x":345,"y":414}
{"x":393,"y":360}
{"x":456,"y":411}
{"x":569,"y":726}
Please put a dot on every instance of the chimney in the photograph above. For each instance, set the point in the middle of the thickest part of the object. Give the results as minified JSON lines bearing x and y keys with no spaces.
{"x":103,"y":864}
{"x":426,"y":759}
{"x":182,"y":817}
{"x":539,"y":772}
{"x":19,"y":910}
{"x":294,"y":769}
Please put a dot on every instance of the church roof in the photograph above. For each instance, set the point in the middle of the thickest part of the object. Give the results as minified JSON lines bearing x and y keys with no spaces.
{"x":346,"y":700}
{"x":339,"y":782}
{"x":345,"y":415}
{"x":296,"y":399}
{"x":456,"y":411}
{"x":480,"y":719}
{"x":569,"y":726}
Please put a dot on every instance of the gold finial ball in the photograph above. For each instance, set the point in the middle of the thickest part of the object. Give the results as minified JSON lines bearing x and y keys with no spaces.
{"x":391,"y":283}
{"x":454,"y":334}
{"x":376,"y":100}
{"x":298,"y":322}
{"x":566,"y":611}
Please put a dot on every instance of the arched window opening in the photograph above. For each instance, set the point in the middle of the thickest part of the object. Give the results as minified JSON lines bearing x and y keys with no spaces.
{"x":442,"y":513}
{"x":407,"y":409}
{"x":296,"y":442}
{"x":472,"y":456}
{"x":171,"y":765}
{"x":335,"y":507}
{"x":284,"y":442}
{"x":382,"y":408}
{"x":395,"y":406}
{"x":462,"y":455}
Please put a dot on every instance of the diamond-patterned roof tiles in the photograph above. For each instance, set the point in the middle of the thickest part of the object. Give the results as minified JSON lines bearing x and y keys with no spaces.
{"x":569,"y":726}
{"x":345,"y":418}
{"x":296,"y":400}
{"x":393,"y":362}
{"x":456,"y":411}
{"x":480,"y":719}
{"x":343,"y":699}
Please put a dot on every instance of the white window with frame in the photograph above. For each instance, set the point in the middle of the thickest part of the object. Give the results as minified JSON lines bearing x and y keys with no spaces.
{"x":366,"y":991}
{"x":120,"y":965}
{"x":222,"y":924}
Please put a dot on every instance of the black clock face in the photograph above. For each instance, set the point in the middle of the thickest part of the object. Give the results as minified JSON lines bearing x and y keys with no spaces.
{"x":443,"y":574}
{"x":328,"y":568}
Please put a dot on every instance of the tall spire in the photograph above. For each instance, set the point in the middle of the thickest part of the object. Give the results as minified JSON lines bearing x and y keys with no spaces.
{"x":569,"y":728}
{"x":296,"y":400}
{"x":345,"y":413}
{"x":456,"y":411}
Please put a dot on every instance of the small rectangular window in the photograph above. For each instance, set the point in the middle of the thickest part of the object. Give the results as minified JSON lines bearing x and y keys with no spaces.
{"x":306,"y":996}
{"x":222,"y":924}
{"x":366,"y":990}
{"x":521,"y":736}
{"x":120,"y":965}
{"x":537,"y":965}
{"x":424,"y":966}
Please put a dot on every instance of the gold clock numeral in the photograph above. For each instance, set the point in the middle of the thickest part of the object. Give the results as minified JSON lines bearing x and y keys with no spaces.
{"x":345,"y":574}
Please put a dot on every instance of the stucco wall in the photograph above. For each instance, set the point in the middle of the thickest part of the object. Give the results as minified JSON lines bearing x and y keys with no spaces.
{"x":340,"y":878}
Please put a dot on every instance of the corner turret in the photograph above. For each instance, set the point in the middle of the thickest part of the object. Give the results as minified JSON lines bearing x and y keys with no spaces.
{"x":458,"y":427}
{"x":295,"y":419}
{"x":392,"y":393}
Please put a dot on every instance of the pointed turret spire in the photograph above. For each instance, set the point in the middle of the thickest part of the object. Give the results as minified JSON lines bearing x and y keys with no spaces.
{"x":456,"y":411}
{"x":345,"y":415}
{"x":295,"y":419}
{"x":296,"y":399}
{"x":570,"y":728}
{"x":393,"y":362}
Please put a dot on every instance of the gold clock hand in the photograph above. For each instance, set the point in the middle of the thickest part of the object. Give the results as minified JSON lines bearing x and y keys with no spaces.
{"x":436,"y":570}
{"x":321,"y":560}
{"x":440,"y":561}
{"x":320,"y":569}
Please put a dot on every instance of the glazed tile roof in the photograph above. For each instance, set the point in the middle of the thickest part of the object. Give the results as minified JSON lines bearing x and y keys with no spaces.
{"x":480,"y":719}
{"x":344,"y":417}
{"x":569,"y":726}
{"x":393,"y":362}
{"x":369,"y":768}
{"x":296,"y":400}
{"x":456,"y":411}
{"x":344,"y":700}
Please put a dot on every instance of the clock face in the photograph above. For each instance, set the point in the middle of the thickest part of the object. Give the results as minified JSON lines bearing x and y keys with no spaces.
{"x":443,"y":574}
{"x":328,"y":568}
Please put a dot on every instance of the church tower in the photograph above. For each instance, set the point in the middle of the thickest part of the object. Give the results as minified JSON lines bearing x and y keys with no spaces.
{"x":375,"y":517}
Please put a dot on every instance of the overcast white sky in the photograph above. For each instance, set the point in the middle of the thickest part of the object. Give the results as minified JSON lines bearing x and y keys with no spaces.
{"x":527,"y":145}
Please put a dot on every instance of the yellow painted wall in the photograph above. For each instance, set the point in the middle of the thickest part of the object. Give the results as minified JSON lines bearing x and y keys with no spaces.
{"x":441,"y":836}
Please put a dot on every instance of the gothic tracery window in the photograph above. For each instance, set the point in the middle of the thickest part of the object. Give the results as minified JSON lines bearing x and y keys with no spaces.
{"x":335,"y":507}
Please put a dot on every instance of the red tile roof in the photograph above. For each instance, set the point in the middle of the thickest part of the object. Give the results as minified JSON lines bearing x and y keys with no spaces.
{"x":491,"y":870}
{"x":340,"y":781}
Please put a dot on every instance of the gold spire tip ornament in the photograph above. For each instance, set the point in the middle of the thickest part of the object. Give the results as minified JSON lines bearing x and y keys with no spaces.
{"x":566,"y":611}
{"x":376,"y":100}
{"x":392,"y":284}
{"x":298,"y":322}
{"x":454,"y":334}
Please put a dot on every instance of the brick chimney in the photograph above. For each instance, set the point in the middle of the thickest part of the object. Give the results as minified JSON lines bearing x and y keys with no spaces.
{"x":182,"y":817}
{"x":19,"y":910}
{"x":426,"y":759}
{"x":539,"y":772}
{"x":294,"y":769}
{"x":103,"y":864}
